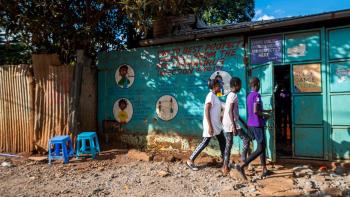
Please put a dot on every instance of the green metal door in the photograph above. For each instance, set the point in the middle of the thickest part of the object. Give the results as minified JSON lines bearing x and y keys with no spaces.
{"x":307,"y":108}
{"x":265,"y":74}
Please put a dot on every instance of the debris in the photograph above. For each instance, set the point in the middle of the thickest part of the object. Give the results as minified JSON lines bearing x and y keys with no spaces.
{"x":9,"y":155}
{"x":309,"y":185}
{"x":339,"y":170}
{"x":335,"y":164}
{"x":6,"y":164}
{"x":322,"y":169}
{"x":301,"y":171}
{"x":333,"y":175}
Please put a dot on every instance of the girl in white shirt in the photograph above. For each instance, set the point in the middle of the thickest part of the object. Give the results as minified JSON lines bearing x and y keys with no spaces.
{"x":231,"y":123}
{"x":212,"y":125}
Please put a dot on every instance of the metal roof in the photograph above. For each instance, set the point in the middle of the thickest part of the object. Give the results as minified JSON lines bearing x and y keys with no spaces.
{"x":246,"y":27}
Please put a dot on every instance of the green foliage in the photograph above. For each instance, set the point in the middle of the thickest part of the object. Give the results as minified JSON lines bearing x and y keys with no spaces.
{"x":62,"y":26}
{"x":218,"y":12}
{"x":13,"y":53}
{"x":228,"y":12}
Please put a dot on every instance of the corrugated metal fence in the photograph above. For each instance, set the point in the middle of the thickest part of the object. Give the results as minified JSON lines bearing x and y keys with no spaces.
{"x":52,"y":85}
{"x":16,"y":108}
{"x":34,"y":103}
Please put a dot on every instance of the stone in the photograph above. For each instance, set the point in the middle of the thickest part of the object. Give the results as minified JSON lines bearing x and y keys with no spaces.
{"x":138,"y":155}
{"x":38,"y":158}
{"x":171,"y":158}
{"x":309,"y":185}
{"x":163,"y":173}
{"x":238,"y":186}
{"x":97,"y":190}
{"x":114,"y":176}
{"x":252,"y":188}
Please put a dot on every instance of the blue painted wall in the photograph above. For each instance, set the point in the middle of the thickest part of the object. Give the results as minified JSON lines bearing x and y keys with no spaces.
{"x":163,"y":70}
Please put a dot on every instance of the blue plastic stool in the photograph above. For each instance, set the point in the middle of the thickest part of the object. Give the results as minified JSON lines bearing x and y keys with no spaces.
{"x":81,"y":146}
{"x":58,"y":148}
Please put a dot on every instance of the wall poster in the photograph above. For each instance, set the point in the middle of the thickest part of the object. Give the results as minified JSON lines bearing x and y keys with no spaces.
{"x":307,"y":78}
{"x":268,"y":49}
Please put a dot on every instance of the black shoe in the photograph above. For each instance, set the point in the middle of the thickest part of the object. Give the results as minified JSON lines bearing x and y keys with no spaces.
{"x":241,"y":172}
{"x":266,"y":173}
{"x":191,"y":166}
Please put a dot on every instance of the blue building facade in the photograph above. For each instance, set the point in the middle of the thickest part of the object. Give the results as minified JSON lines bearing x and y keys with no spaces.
{"x":155,"y":94}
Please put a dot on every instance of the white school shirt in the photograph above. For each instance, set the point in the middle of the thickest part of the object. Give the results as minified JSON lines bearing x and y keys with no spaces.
{"x":214,"y":115}
{"x":226,"y":121}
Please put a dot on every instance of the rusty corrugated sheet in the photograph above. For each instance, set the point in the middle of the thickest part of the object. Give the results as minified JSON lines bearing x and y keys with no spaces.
{"x":53,"y":82}
{"x":16,"y":109}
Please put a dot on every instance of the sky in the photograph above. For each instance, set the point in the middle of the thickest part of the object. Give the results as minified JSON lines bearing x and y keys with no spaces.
{"x":271,"y":9}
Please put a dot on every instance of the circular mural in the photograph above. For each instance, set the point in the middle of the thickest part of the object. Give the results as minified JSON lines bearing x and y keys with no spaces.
{"x":225,"y":77}
{"x":125,"y":76}
{"x":167,"y":107}
{"x":122,"y":110}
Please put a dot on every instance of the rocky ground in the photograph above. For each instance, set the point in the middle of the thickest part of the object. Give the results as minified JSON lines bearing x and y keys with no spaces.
{"x":118,"y":173}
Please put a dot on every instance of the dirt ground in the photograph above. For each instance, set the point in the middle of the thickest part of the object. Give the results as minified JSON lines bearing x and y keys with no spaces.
{"x":114,"y":173}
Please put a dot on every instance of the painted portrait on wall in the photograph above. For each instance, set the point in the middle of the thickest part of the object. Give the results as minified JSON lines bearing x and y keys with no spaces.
{"x":122,"y":110}
{"x":166,"y":107}
{"x":225,"y":78}
{"x":125,"y":76}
